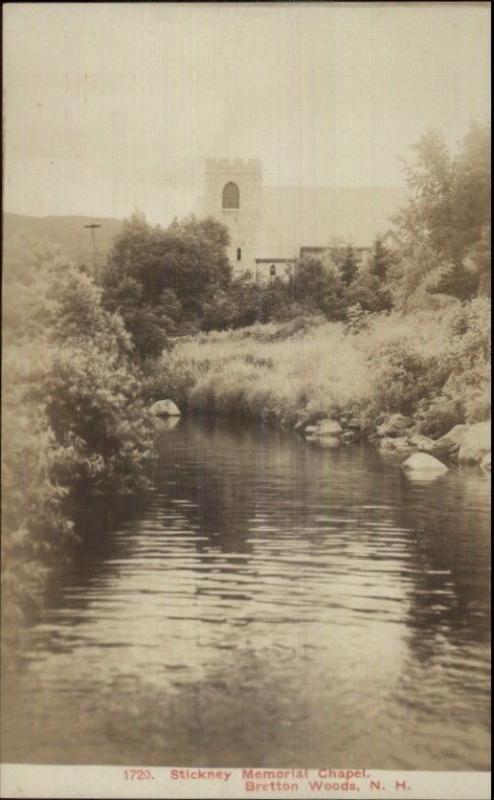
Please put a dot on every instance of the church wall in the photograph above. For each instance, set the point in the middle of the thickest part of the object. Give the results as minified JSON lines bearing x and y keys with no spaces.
{"x":242,"y":222}
{"x":269,"y":269}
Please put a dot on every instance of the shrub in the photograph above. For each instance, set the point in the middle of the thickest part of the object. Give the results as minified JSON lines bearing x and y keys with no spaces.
{"x":72,"y":413}
{"x":405,"y":376}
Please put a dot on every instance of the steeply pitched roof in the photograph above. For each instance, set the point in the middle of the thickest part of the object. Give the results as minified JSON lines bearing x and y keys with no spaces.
{"x":293,"y":217}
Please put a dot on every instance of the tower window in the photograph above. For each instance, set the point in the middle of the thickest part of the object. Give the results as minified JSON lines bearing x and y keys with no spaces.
{"x":272,"y":270}
{"x":239,"y":254}
{"x":231,"y":196}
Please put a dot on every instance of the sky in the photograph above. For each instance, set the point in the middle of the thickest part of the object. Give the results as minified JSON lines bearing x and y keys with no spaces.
{"x":113,"y":107}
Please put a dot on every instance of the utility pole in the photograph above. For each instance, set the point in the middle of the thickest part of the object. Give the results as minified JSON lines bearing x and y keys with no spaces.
{"x":93,"y":227}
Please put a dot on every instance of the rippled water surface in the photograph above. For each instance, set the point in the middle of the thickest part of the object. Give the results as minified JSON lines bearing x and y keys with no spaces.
{"x":272,"y":604}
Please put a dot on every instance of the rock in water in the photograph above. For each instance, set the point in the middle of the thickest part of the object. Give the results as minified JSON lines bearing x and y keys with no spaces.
{"x":324,"y":441}
{"x":326,"y":428}
{"x":486,"y":462}
{"x":327,"y":441}
{"x":449,"y":444}
{"x":423,"y":465}
{"x":329,"y":427}
{"x":475,"y":443}
{"x":165,"y":408}
{"x":168,"y":423}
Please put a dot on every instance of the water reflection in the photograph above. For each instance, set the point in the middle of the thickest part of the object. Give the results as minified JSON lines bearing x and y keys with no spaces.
{"x":271,"y":604}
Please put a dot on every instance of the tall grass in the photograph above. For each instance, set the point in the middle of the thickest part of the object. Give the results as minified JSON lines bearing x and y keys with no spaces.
{"x":397,"y":363}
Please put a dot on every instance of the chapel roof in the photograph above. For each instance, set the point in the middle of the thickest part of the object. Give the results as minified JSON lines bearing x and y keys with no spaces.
{"x":292,"y":217}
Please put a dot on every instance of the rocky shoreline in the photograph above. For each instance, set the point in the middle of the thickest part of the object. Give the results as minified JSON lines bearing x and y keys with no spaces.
{"x":398,"y":435}
{"x":392,"y":434}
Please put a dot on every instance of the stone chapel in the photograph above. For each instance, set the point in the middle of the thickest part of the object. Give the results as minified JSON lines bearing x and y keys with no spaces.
{"x":271,"y":227}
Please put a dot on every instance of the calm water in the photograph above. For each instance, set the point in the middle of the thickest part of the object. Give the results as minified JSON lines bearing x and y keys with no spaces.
{"x":272,"y":604}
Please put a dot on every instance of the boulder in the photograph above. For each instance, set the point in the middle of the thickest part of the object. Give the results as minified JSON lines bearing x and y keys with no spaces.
{"x":423,"y":465}
{"x":394,"y":425}
{"x":329,"y":427}
{"x":486,"y":462}
{"x":398,"y":444}
{"x":467,"y":444}
{"x":324,"y":441}
{"x":325,"y":428}
{"x":449,"y":444}
{"x":165,"y":408}
{"x":168,"y":423}
{"x":422,"y":443}
{"x":327,"y":441}
{"x":475,"y":443}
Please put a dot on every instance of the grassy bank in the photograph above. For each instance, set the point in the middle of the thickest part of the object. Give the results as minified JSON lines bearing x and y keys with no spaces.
{"x":433,"y":367}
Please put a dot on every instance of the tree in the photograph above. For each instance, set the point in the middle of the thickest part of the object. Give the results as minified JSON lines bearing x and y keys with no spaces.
{"x":308,"y":285}
{"x":429,"y":213}
{"x":348,"y":266}
{"x":448,"y":213}
{"x":372,"y":286}
{"x":336,"y":300}
{"x":471,"y":189}
{"x":161,"y":281}
{"x":380,"y":260}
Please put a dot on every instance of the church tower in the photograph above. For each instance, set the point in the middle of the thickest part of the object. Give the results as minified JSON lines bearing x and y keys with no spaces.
{"x":233,"y":196}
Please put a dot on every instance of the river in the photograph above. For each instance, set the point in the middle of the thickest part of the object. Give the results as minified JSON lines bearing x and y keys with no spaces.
{"x":272,"y":604}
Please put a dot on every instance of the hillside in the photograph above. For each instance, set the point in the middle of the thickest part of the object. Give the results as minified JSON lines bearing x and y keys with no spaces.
{"x":67,"y":232}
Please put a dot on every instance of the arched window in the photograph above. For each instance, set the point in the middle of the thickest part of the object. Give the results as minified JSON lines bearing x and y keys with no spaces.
{"x":231,"y":196}
{"x":239,"y":254}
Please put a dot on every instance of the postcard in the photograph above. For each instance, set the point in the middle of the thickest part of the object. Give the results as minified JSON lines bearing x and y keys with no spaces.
{"x":246,"y":400}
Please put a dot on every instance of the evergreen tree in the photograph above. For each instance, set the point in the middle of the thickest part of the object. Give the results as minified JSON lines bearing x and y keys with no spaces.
{"x":349,"y":267}
{"x":380,"y":260}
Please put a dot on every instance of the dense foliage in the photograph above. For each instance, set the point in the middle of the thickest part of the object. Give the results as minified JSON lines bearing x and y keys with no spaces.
{"x":444,"y":230}
{"x":433,"y":367}
{"x":162,"y":281}
{"x":72,"y":414}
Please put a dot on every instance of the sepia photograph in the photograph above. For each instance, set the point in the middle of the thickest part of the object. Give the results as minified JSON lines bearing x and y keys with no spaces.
{"x":246,"y":400}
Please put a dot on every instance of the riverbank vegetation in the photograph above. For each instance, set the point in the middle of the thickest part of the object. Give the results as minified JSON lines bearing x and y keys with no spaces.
{"x":407,"y":333}
{"x":433,"y":366}
{"x":86,"y":351}
{"x":72,"y":417}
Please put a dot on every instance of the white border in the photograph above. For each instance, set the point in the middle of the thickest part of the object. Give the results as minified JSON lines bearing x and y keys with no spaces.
{"x":44,"y":781}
